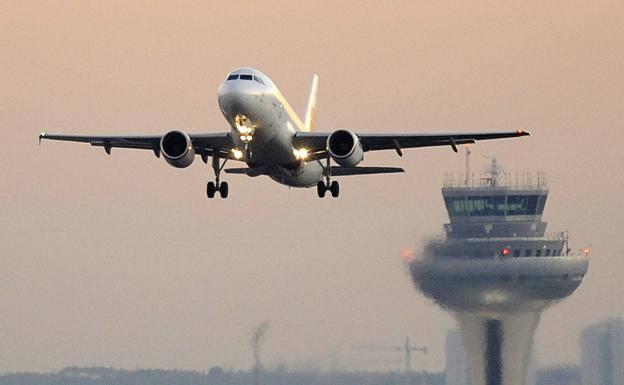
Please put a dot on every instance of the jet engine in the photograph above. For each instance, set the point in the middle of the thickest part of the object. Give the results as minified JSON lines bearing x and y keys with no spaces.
{"x":177,"y":149}
{"x":345,"y":148}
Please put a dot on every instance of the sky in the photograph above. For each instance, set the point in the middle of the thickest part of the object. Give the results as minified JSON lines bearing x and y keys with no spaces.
{"x":122,"y":261}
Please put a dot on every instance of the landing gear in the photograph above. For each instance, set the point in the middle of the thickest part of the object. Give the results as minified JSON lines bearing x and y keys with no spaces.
{"x":328,"y":185}
{"x":211,"y":189}
{"x":335,"y":189}
{"x":224,"y":190}
{"x":217,"y":185}
{"x":321,"y":189}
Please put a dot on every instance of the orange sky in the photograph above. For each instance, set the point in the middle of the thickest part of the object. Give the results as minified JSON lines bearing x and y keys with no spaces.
{"x":122,"y":261}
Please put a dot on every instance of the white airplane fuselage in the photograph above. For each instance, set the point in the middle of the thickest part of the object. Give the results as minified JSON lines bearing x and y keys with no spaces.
{"x":263,"y":125}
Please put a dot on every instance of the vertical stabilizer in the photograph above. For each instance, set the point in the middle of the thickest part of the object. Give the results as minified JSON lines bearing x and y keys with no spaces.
{"x":310,"y":117}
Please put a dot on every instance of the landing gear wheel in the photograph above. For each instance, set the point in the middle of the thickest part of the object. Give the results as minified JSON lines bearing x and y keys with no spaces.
{"x":321,"y":189}
{"x":211,"y":189}
{"x":224,"y":189}
{"x":335,"y":189}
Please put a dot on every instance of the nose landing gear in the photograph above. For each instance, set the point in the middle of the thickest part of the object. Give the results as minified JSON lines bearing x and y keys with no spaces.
{"x":217,"y":185}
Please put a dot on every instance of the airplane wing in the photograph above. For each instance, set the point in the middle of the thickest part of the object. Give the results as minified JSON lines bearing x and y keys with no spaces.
{"x":218,"y":144}
{"x":316,"y":142}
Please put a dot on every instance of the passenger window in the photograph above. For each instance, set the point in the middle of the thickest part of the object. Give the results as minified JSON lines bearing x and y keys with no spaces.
{"x":232,"y":77}
{"x":538,"y":252}
{"x":258,"y":79}
{"x":516,"y":253}
{"x":547,"y":252}
{"x":527,"y":253}
{"x":245,"y":77}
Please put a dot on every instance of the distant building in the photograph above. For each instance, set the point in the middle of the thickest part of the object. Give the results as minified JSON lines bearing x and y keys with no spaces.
{"x":559,"y":375}
{"x":457,"y":367}
{"x":602,"y":353}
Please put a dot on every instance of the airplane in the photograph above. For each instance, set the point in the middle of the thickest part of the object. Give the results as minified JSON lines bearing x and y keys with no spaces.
{"x":268,"y":136}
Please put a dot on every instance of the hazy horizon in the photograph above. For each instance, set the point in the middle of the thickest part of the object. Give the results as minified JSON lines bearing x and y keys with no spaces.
{"x":122,"y":261}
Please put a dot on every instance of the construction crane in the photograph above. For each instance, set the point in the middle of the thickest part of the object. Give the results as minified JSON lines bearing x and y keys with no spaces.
{"x":406,"y":349}
{"x":257,"y":338}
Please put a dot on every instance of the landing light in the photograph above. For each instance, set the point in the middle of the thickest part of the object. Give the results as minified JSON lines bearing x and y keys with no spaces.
{"x":243,"y":125}
{"x":301,"y":153}
{"x":238,"y":154}
{"x":243,"y":129}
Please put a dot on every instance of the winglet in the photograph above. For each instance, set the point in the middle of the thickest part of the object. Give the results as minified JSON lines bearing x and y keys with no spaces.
{"x":41,"y":136}
{"x":523,"y":133}
{"x":310,"y":117}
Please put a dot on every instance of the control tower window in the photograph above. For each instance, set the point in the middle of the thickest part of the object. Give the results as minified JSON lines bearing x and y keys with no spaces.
{"x":232,"y":77}
{"x":522,"y":204}
{"x":476,"y":206}
{"x":541,"y":204}
{"x":246,"y":77}
{"x":494,"y":205}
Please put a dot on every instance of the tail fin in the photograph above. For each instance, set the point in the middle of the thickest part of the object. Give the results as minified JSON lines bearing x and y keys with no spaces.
{"x":311,"y":111}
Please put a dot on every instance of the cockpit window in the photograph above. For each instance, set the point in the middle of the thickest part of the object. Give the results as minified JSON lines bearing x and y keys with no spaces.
{"x":258,"y":79}
{"x":232,"y":77}
{"x":246,"y":77}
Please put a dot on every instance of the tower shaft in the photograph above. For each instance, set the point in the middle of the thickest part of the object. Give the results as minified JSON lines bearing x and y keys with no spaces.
{"x":498,"y":346}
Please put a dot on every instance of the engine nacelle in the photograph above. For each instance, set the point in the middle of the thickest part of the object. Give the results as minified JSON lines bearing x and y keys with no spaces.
{"x":345,"y":148}
{"x":177,"y":149}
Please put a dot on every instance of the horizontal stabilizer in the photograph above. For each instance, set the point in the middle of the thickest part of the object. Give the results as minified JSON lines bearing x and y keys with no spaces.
{"x":345,"y":171}
{"x":238,"y":170}
{"x":250,"y":171}
{"x":335,"y":171}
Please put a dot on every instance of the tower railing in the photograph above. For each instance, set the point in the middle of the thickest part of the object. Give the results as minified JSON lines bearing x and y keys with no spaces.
{"x":514,"y":181}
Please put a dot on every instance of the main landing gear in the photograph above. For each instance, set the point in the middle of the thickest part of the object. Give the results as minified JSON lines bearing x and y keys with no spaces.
{"x":328,"y":184}
{"x":221,"y":187}
{"x":323,"y":187}
{"x":217,"y":185}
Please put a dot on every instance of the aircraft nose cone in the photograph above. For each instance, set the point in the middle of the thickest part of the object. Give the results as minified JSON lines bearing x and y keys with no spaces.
{"x":237,"y":99}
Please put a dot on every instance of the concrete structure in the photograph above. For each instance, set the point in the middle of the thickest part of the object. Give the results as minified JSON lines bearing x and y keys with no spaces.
{"x":497,"y":270}
{"x":602,"y":353}
{"x":456,"y":371}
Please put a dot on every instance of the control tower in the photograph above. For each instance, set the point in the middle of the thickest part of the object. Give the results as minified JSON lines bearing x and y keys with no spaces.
{"x":497,"y":269}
